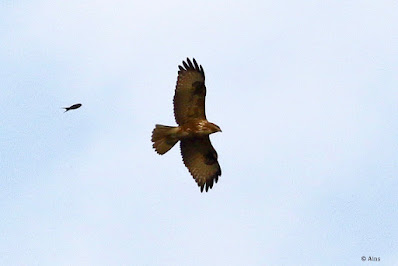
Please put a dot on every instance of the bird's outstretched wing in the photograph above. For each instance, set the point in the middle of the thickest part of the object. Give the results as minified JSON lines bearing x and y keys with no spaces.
{"x":200,"y":158}
{"x":190,"y":93}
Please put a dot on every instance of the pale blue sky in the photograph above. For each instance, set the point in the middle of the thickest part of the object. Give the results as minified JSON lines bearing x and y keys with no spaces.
{"x":305,"y":93}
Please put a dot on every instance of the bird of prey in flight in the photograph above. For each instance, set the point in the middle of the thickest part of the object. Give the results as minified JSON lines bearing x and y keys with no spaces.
{"x":193,"y":129}
{"x":75,"y":106}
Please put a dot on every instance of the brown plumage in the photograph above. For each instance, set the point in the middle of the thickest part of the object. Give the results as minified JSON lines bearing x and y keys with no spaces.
{"x":193,"y":129}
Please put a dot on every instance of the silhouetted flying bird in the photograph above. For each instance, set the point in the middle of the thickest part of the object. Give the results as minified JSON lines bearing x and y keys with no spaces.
{"x":75,"y":106}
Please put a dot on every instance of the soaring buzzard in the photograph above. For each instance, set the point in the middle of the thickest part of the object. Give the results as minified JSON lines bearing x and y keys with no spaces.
{"x":193,"y":131}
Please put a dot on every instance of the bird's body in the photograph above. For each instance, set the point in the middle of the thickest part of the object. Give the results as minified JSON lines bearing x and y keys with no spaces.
{"x":75,"y":106}
{"x":197,"y":128}
{"x":193,"y":131}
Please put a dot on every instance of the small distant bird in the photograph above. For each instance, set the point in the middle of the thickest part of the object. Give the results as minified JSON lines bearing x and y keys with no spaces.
{"x":75,"y":106}
{"x":193,"y":131}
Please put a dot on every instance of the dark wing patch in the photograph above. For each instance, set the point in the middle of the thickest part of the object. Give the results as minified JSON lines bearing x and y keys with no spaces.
{"x":190,"y":93}
{"x":200,"y":158}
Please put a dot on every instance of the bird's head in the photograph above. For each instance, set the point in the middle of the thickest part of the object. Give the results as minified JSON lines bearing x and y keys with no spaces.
{"x":213,"y":128}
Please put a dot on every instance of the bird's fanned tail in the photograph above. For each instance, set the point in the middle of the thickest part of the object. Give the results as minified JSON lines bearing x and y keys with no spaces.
{"x":163,"y":138}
